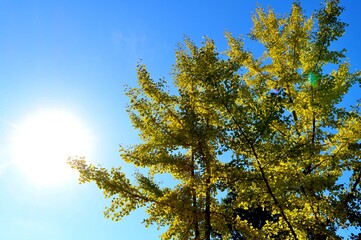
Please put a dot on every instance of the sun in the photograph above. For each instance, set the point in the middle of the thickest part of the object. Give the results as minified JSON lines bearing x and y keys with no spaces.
{"x":43,"y":143}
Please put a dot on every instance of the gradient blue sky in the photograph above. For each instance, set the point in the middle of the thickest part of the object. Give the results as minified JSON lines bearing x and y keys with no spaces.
{"x":76,"y":56}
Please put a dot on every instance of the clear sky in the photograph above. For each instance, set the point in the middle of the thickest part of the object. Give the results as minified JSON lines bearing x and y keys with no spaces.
{"x":75,"y":56}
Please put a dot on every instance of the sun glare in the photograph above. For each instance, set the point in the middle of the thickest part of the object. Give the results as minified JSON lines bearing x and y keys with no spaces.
{"x":44,"y":142}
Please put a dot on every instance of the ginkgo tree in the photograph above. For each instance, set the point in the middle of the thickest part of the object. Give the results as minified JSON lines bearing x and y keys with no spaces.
{"x":259,"y":147}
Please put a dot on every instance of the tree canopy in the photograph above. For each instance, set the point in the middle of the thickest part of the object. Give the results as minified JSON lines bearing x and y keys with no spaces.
{"x":259,"y":147}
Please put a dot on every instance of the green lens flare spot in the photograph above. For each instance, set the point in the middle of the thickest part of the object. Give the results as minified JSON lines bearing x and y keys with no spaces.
{"x":313,"y":78}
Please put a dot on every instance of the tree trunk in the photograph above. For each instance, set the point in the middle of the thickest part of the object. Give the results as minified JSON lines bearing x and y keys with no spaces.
{"x":208,"y":210}
{"x":194,"y":202}
{"x":207,"y":217}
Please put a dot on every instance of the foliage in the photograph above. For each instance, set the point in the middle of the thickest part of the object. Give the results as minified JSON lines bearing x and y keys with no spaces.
{"x":256,"y":148}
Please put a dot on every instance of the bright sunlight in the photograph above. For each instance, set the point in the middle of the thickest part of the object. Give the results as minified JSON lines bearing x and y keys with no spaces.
{"x":44,"y":142}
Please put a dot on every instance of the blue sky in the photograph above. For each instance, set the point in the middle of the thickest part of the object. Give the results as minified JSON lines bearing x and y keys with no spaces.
{"x":76,"y":56}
